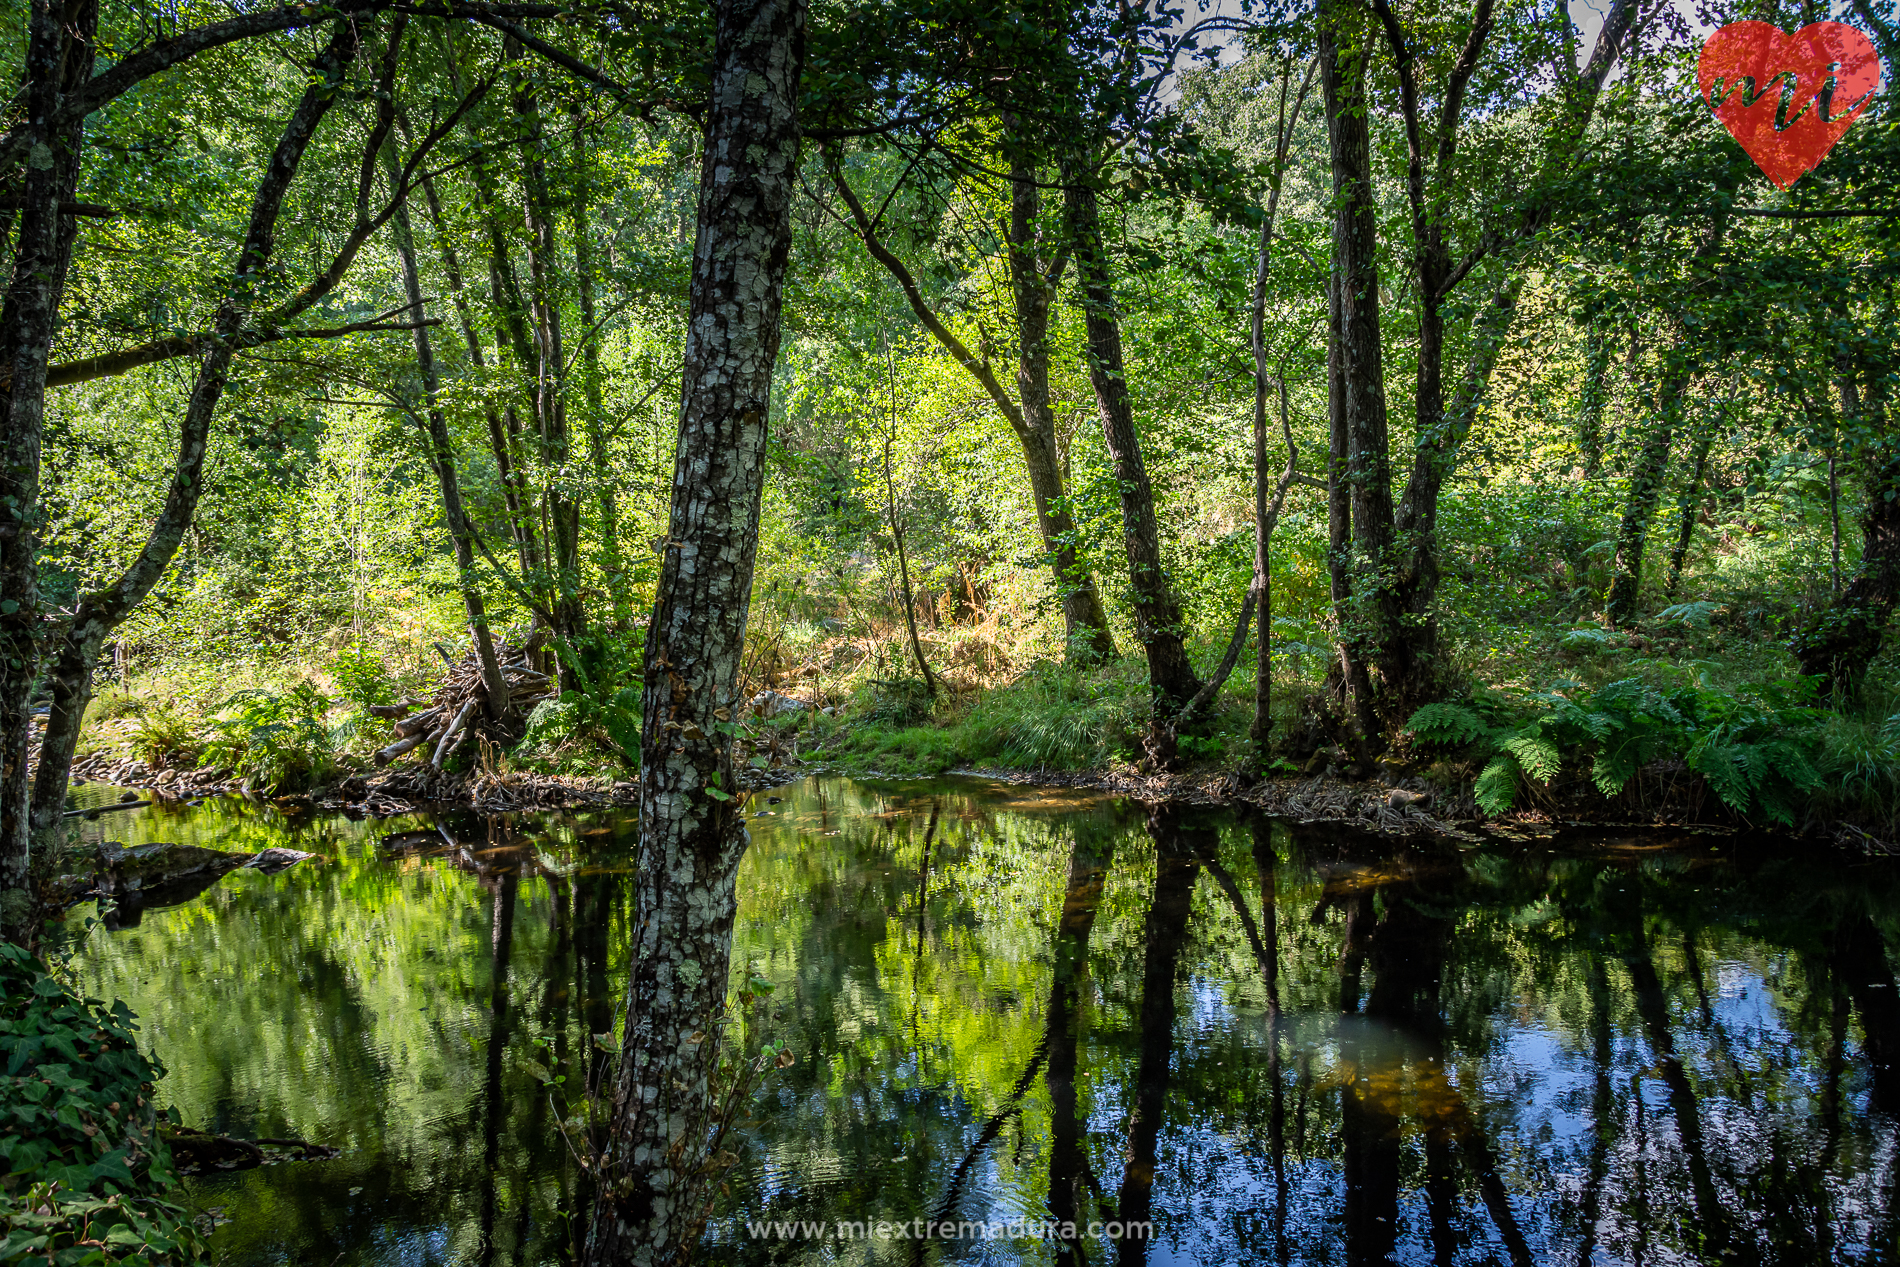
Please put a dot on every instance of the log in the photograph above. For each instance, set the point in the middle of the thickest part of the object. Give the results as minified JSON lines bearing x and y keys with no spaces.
{"x":394,"y":750}
{"x":389,"y":712}
{"x":104,"y":809}
{"x":421,"y":721}
{"x":442,"y":748}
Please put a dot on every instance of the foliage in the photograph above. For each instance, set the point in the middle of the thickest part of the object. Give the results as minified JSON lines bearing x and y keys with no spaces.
{"x":163,"y":734}
{"x":279,"y":742}
{"x":86,"y":1172}
{"x":362,"y":677}
{"x":1760,"y":750}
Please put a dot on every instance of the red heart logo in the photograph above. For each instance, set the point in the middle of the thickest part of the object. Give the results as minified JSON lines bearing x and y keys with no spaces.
{"x":1825,"y":73}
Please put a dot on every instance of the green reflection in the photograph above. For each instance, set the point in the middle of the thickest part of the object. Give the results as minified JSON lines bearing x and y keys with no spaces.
{"x":1018,"y":1004}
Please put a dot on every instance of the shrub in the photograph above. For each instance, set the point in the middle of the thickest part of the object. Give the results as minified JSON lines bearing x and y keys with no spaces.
{"x":163,"y":735}
{"x":362,"y":677}
{"x":280,"y":742}
{"x":83,"y":1170}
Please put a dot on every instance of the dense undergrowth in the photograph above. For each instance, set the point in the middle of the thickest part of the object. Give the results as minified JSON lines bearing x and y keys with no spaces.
{"x":85,"y":1176}
{"x":1694,"y":692}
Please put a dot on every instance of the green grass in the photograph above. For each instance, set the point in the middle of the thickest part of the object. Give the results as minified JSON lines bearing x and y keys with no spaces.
{"x":1051,"y":718}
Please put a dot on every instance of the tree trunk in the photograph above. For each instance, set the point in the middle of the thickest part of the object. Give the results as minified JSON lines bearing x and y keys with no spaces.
{"x":498,"y":445}
{"x":1686,"y":510}
{"x":1645,"y":491}
{"x":59,"y":53}
{"x":442,"y":457}
{"x":692,"y":826}
{"x":1082,"y":603}
{"x":606,"y":486}
{"x":559,"y":505}
{"x":1158,"y":622}
{"x":1266,"y":506}
{"x":903,"y":574}
{"x":1349,"y":389}
{"x":99,"y":613}
{"x":1839,"y":645}
{"x":1592,"y":398}
{"x":512,"y":337}
{"x":1088,"y":634}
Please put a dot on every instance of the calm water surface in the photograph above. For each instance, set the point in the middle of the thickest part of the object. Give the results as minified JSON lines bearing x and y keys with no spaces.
{"x":1010,"y":1005}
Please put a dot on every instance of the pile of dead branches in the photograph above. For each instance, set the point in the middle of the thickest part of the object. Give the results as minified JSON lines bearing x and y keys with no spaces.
{"x":440,"y":725}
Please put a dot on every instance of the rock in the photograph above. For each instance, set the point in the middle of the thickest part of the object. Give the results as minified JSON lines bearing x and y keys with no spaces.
{"x":128,"y":870}
{"x":166,"y":865}
{"x":772,"y":704}
{"x":275,"y":859}
{"x":129,"y":796}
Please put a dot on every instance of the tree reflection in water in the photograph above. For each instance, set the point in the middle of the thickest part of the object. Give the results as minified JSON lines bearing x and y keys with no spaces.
{"x":1281,"y":1047}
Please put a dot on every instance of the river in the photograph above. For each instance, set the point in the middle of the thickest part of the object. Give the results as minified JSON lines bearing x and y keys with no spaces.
{"x":1011,"y":1007}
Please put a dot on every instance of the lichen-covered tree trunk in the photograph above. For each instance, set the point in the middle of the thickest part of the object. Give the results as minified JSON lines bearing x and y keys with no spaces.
{"x":59,"y":54}
{"x":692,"y":828}
{"x":1158,"y":622}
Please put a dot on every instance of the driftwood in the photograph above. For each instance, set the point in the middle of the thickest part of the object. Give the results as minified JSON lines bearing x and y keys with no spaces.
{"x":421,"y":721}
{"x":386,"y":755}
{"x":458,"y":707}
{"x":461,"y":718}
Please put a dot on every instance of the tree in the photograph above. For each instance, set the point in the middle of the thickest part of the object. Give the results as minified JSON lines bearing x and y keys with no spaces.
{"x":692,"y":827}
{"x":1387,"y":612}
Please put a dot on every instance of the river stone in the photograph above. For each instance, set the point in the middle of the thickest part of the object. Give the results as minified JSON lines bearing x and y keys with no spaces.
{"x":773,"y":704}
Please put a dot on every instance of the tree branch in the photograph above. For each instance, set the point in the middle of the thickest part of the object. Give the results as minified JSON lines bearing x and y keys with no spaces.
{"x":109,"y":364}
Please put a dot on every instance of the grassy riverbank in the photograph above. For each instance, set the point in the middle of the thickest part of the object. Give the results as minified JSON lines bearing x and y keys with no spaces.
{"x":1691,"y":714}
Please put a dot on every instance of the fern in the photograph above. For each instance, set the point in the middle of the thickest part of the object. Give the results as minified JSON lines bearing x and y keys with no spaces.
{"x":1729,"y":769}
{"x":1695,"y":615}
{"x":1449,"y":724}
{"x":1496,"y":789}
{"x":1538,"y":756}
{"x":1612,"y":771}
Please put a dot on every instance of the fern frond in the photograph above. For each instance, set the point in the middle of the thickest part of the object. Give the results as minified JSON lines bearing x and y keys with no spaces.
{"x":1496,"y":789}
{"x":1538,"y":756}
{"x":1446,"y":723}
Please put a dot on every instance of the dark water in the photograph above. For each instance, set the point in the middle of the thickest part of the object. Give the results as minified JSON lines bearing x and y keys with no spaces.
{"x":1008,"y":1006}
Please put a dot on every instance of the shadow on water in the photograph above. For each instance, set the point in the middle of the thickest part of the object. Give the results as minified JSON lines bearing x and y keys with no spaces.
{"x":1057,"y":1026}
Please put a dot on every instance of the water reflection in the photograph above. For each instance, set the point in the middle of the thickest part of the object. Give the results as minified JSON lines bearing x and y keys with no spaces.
{"x":1019,"y":1007}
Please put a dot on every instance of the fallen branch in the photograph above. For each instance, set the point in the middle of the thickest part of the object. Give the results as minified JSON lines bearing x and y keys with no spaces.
{"x":104,"y":809}
{"x":442,"y":748}
{"x":394,"y":750}
{"x":421,"y":721}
